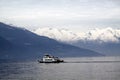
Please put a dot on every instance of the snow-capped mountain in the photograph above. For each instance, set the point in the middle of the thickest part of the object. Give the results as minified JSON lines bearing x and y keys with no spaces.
{"x":103,"y":35}
{"x":18,"y":43}
{"x":64,"y":35}
{"x":106,"y":41}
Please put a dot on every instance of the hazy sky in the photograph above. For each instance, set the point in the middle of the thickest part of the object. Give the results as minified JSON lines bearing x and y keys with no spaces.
{"x":79,"y":15}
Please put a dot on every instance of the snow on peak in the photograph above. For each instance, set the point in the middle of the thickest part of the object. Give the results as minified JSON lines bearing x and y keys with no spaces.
{"x":64,"y":35}
{"x":105,"y":35}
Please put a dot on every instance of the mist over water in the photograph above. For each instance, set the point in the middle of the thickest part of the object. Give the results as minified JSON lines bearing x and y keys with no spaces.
{"x":84,"y":68}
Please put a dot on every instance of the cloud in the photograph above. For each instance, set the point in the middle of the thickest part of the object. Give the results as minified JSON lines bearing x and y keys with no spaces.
{"x":61,"y":12}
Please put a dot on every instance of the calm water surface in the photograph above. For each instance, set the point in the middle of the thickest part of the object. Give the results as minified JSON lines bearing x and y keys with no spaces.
{"x":94,"y":68}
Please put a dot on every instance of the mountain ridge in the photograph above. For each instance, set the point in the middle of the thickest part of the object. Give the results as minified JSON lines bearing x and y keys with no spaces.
{"x":30,"y":45}
{"x":97,"y":39}
{"x":64,"y":35}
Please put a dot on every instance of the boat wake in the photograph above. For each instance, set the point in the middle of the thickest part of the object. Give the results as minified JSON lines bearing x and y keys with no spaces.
{"x":92,"y":62}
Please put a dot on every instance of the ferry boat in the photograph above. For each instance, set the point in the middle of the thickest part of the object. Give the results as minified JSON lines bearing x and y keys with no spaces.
{"x":50,"y":59}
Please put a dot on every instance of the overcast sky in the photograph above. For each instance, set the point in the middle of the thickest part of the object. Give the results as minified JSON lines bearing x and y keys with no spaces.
{"x":79,"y":15}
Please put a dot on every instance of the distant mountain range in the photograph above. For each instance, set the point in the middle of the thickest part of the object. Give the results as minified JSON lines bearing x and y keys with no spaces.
{"x":106,"y":41}
{"x":19,"y":43}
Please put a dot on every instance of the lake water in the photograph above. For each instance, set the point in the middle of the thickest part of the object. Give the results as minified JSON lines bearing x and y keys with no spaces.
{"x":93,"y":68}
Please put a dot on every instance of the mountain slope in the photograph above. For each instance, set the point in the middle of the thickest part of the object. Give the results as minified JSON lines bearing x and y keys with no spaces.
{"x":29,"y":45}
{"x":5,"y":45}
